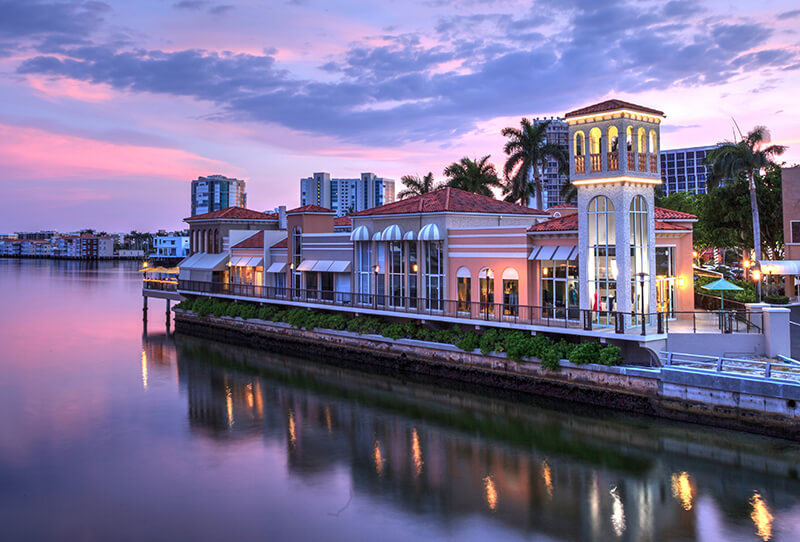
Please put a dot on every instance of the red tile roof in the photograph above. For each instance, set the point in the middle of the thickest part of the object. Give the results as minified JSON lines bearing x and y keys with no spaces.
{"x":254,"y":241}
{"x":342,"y":221}
{"x":660,"y":225}
{"x":669,"y":214}
{"x":570,"y":223}
{"x":310,"y":209}
{"x":283,"y":243}
{"x":233,"y":213}
{"x":450,"y":200}
{"x":612,"y":105}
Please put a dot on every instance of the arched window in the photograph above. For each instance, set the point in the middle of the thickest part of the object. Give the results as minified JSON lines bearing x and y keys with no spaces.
{"x":464,"y":288}
{"x":594,"y":149}
{"x":629,"y":139}
{"x":297,"y":258}
{"x":510,"y":292}
{"x":653,"y":142}
{"x":434,"y":274}
{"x":579,"y":144}
{"x":397,"y":269}
{"x":642,"y":146}
{"x":486,"y":285}
{"x":613,"y":147}
{"x":602,"y":261}
{"x":640,"y":255}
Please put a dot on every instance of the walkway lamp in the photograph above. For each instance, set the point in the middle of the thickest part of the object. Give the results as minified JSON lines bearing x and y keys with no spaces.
{"x":642,"y":276}
{"x":756,"y":274}
{"x":377,"y":270}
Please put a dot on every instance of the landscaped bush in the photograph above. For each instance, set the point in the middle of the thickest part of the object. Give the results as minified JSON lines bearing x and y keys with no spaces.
{"x":393,"y":331}
{"x":469,"y":342}
{"x":550,"y":358}
{"x":776,"y":299}
{"x":492,"y":341}
{"x":587,"y":352}
{"x":610,"y":355}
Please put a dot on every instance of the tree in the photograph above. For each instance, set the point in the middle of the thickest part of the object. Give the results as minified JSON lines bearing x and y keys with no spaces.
{"x":528,"y":151}
{"x":416,"y":186}
{"x":569,"y":192}
{"x":745,"y":158}
{"x":476,"y":176}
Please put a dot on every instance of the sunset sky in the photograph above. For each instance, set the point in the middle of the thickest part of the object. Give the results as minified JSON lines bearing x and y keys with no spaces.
{"x":109,"y":109}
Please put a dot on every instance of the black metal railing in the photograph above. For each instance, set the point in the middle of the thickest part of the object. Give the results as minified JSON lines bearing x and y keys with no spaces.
{"x":160,"y":285}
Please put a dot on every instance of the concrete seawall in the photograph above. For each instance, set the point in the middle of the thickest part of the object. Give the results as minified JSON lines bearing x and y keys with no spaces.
{"x":727,"y":401}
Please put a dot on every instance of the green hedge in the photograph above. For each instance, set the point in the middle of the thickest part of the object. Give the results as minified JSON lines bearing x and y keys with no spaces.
{"x":517,"y":344}
{"x":746,"y":295}
{"x":776,"y":299}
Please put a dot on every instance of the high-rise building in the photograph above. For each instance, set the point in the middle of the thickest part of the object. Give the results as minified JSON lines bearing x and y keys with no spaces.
{"x":346,"y":195}
{"x":552,"y":181}
{"x":216,"y":192}
{"x":684,"y":170}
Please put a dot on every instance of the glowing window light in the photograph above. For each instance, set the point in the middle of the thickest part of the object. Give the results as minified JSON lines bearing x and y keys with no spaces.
{"x":761,"y":516}
{"x":548,"y":479}
{"x":416,"y":451}
{"x":682,"y":490}
{"x":491,"y":492}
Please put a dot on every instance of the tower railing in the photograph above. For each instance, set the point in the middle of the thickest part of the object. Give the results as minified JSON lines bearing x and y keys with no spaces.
{"x":642,"y":162}
{"x":653,"y":164}
{"x":631,"y":161}
{"x":580,"y":164}
{"x":596,"y":162}
{"x":613,"y":161}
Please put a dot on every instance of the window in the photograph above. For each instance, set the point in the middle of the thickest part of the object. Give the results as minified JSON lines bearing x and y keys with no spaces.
{"x":364,"y":271}
{"x":434,"y":274}
{"x":795,"y":231}
{"x":560,"y":289}
{"x":413,"y":266}
{"x":396,"y":274}
{"x":640,"y":255}
{"x":297,"y":258}
{"x":486,"y":285}
{"x":665,"y":280}
{"x":464,"y":287}
{"x":510,"y":292}
{"x":602,"y":264}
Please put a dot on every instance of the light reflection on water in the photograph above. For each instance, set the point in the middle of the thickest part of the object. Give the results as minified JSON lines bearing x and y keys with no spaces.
{"x":120,"y":435}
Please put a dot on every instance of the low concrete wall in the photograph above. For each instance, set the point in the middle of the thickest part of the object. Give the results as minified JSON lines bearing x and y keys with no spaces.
{"x":727,"y":401}
{"x":717,"y":344}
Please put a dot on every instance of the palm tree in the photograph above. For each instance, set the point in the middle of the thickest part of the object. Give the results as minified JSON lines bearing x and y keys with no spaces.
{"x":416,"y":186}
{"x":528,"y":151}
{"x":747,"y":157}
{"x":569,"y":192}
{"x":476,"y":176}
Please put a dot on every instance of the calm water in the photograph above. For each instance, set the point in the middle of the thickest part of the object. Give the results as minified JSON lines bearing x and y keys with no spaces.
{"x":109,"y":434}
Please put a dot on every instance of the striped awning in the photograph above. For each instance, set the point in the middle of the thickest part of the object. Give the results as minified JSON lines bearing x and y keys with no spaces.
{"x":410,"y":236}
{"x":245,"y":261}
{"x":361,"y":233}
{"x":307,"y":265}
{"x":339,"y":266}
{"x":376,"y":236}
{"x":392,"y":233}
{"x":322,"y":265}
{"x":430,"y":232}
{"x":554,"y":253}
{"x":277,"y":267}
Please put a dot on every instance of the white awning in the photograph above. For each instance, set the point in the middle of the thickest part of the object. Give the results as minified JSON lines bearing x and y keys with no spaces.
{"x":410,"y":236}
{"x":307,"y":265}
{"x":239,"y":261}
{"x":361,"y":233}
{"x":542,"y":253}
{"x":780,"y":267}
{"x":376,"y":236}
{"x":565,"y":253}
{"x":187,"y":262}
{"x":277,"y":267}
{"x":392,"y":233}
{"x":554,"y":253}
{"x":430,"y":232}
{"x":255,"y":261}
{"x":340,"y":266}
{"x":322,"y":265}
{"x":206,"y":262}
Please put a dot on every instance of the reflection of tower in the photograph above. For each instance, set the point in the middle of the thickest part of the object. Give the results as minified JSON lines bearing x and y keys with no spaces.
{"x":614,"y":165}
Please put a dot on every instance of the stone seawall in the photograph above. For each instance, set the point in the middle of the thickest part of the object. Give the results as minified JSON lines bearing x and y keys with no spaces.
{"x":640,"y":390}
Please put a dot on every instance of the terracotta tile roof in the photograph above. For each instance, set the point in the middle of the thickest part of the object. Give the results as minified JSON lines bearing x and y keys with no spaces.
{"x":310,"y":209}
{"x":254,"y":241}
{"x":283,"y":243}
{"x":611,"y":105}
{"x":668,"y":214}
{"x":660,"y":225}
{"x":563,"y":206}
{"x":562,"y":224}
{"x":342,"y":221}
{"x":233,"y":213}
{"x":450,"y":200}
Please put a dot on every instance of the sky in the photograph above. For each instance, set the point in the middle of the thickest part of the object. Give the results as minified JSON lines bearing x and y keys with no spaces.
{"x":110,"y":108}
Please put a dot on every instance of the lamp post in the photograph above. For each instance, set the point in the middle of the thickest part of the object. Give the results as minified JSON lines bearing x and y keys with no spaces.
{"x":376,"y":269}
{"x":642,"y":276}
{"x":756,"y":274}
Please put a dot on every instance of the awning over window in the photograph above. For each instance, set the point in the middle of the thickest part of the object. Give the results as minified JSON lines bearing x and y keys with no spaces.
{"x":780,"y":267}
{"x":430,"y":232}
{"x":322,"y":265}
{"x":392,"y":233}
{"x":410,"y":236}
{"x":554,"y":253}
{"x":361,"y":233}
{"x":307,"y":265}
{"x":205,"y":262}
{"x":376,"y":236}
{"x":245,"y":261}
{"x":277,"y":267}
{"x":339,"y":266}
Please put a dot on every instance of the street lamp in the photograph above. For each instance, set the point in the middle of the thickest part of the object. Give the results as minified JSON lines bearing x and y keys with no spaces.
{"x":756,"y":274}
{"x":642,"y":276}
{"x":377,"y":270}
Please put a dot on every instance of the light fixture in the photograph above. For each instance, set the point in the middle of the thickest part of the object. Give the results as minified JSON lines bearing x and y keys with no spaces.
{"x":544,"y":271}
{"x":291,"y":266}
{"x":756,"y":274}
{"x":415,"y":268}
{"x":377,"y":269}
{"x":694,"y":254}
{"x":681,"y":282}
{"x":746,"y":263}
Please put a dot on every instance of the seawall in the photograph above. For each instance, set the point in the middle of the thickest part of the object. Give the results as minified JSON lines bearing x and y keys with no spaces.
{"x":752,"y":405}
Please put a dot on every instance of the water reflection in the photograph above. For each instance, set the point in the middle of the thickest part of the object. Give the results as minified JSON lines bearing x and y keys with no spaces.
{"x":567,"y":474}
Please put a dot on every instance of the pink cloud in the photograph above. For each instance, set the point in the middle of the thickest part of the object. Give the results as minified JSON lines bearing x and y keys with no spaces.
{"x":54,"y":88}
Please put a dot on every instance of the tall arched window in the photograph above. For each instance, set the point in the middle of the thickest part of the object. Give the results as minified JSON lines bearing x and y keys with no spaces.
{"x":464,"y":288}
{"x":486,"y":284}
{"x":629,"y":139}
{"x":580,"y":150}
{"x":510,"y":292}
{"x":613,"y":147}
{"x":602,"y":261}
{"x":653,"y":152}
{"x":579,"y":144}
{"x":640,"y":255}
{"x":642,"y":149}
{"x":434,"y":274}
{"x":297,"y":258}
{"x":594,"y":148}
{"x":397,"y":269}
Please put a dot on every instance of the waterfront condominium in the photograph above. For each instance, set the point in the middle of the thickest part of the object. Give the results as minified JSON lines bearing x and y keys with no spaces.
{"x":553,"y":181}
{"x":346,"y":196}
{"x":684,"y":170}
{"x":216,"y":192}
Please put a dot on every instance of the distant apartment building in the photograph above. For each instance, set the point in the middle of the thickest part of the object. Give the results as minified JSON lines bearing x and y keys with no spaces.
{"x":171,"y":246}
{"x":346,"y":196}
{"x":684,"y":170}
{"x":552,"y":181}
{"x":216,"y":192}
{"x":84,"y":247}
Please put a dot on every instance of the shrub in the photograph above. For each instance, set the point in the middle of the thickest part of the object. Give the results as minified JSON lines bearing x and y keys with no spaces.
{"x":267,"y":312}
{"x":469,"y":341}
{"x":550,"y":358}
{"x":588,"y":352}
{"x":776,"y":299}
{"x":517,"y":345}
{"x":393,"y":331}
{"x":333,"y":321}
{"x":610,"y":355}
{"x":423,"y":334}
{"x":492,"y":341}
{"x":365,"y":324}
{"x":220,"y":307}
{"x":248,"y":311}
{"x":537,"y":345}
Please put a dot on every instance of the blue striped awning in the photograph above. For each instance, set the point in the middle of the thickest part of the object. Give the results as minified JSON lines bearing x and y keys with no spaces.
{"x":430,"y":232}
{"x":392,"y":233}
{"x":361,"y":233}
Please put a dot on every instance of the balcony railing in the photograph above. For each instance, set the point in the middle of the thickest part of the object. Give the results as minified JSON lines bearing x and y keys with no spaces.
{"x":613,"y":161}
{"x":580,"y":164}
{"x":160,"y":285}
{"x":642,"y":162}
{"x":653,"y":164}
{"x":631,"y":161}
{"x":596,"y":162}
{"x":546,"y":316}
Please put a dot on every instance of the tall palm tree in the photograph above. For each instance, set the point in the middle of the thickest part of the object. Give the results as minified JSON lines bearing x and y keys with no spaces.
{"x":528,"y":152}
{"x":416,"y":186}
{"x":569,"y":192}
{"x":747,"y":157}
{"x":476,"y":176}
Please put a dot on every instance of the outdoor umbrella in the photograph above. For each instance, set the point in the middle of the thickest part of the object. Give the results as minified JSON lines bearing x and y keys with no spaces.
{"x":721,"y":286}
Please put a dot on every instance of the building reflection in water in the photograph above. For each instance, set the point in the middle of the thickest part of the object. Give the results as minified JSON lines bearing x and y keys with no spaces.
{"x":566,"y":475}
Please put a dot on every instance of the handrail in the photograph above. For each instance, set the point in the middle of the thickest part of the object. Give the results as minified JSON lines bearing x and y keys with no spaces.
{"x":719,"y":364}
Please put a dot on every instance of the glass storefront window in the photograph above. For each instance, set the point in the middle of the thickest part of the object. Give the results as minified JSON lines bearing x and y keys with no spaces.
{"x":463,"y":286}
{"x":560,"y":290}
{"x":486,"y":286}
{"x":602,"y":263}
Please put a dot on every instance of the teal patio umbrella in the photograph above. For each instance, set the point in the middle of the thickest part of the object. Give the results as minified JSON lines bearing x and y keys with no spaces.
{"x":721,"y":286}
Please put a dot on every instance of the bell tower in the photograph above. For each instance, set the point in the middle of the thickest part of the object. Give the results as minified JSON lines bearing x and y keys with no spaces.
{"x":615,"y":167}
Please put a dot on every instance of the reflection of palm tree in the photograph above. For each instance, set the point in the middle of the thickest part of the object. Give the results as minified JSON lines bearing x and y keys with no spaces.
{"x":416,"y":186}
{"x":476,"y":176}
{"x":528,"y":151}
{"x":745,"y":158}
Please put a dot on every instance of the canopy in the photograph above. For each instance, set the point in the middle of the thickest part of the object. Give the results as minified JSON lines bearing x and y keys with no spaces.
{"x":721,"y":286}
{"x":307,"y":265}
{"x":554,"y":253}
{"x":205,"y":262}
{"x":410,"y":236}
{"x":277,"y":267}
{"x":245,"y":261}
{"x":392,"y":233}
{"x":322,"y":265}
{"x":361,"y":233}
{"x":430,"y":232}
{"x":339,"y":266}
{"x":780,"y":267}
